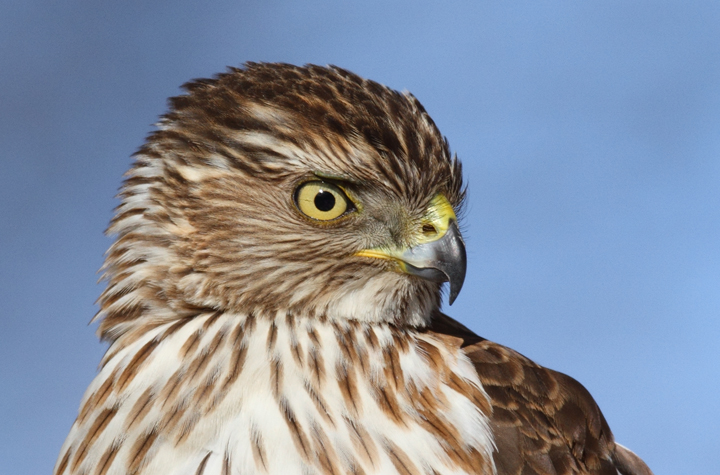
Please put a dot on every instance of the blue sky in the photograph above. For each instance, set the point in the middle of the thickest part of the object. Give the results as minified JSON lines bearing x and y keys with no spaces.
{"x":590,"y":136}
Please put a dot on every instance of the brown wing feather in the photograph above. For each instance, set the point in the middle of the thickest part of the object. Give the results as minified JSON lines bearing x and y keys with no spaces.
{"x":544,"y":422}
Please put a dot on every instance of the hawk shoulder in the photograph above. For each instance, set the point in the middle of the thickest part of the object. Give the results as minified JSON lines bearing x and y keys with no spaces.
{"x":543,"y":421}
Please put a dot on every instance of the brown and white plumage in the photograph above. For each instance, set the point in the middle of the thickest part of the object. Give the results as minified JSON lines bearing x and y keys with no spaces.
{"x":254,"y":330}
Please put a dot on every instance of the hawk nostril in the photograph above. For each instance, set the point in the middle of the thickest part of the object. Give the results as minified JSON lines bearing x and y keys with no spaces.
{"x":429,"y":230}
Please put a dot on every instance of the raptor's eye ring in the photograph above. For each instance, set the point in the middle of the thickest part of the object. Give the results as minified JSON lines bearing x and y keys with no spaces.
{"x":321,"y":201}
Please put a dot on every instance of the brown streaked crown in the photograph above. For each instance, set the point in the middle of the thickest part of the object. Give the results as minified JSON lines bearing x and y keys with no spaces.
{"x":208,"y":220}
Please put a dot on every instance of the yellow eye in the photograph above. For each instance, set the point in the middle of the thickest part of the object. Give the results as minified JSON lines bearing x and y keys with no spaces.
{"x":321,"y":201}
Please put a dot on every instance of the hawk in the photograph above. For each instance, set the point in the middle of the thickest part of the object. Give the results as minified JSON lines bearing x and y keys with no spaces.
{"x":273,"y":302}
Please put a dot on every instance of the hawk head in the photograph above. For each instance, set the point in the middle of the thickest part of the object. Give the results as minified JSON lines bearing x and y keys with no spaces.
{"x":276,"y":187}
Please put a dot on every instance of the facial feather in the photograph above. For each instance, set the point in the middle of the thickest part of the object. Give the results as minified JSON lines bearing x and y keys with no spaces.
{"x":207,"y":219}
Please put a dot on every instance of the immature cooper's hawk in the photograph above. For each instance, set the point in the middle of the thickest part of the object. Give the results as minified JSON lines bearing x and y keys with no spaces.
{"x":273,"y":302}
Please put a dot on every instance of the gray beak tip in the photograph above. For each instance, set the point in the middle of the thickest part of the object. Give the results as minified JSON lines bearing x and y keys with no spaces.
{"x":443,"y":260}
{"x":453,"y":295}
{"x":456,"y":273}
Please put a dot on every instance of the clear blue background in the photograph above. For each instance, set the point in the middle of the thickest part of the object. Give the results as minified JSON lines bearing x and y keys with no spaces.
{"x":590,"y":134}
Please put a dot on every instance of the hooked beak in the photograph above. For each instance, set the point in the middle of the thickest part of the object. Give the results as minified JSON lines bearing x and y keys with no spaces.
{"x":443,"y":260}
{"x":440,"y":258}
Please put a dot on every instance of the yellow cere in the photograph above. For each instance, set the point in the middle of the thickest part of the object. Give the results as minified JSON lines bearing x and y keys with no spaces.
{"x":321,"y":201}
{"x":433,"y":226}
{"x":437,"y":219}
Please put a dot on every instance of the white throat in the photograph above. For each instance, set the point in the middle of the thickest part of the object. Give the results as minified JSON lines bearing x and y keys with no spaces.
{"x":227,"y":393}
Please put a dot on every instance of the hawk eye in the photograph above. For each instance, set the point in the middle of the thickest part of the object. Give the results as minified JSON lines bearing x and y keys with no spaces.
{"x":324,"y":201}
{"x":321,"y":201}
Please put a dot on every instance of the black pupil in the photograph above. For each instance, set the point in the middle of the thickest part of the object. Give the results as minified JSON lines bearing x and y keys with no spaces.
{"x":324,"y":201}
